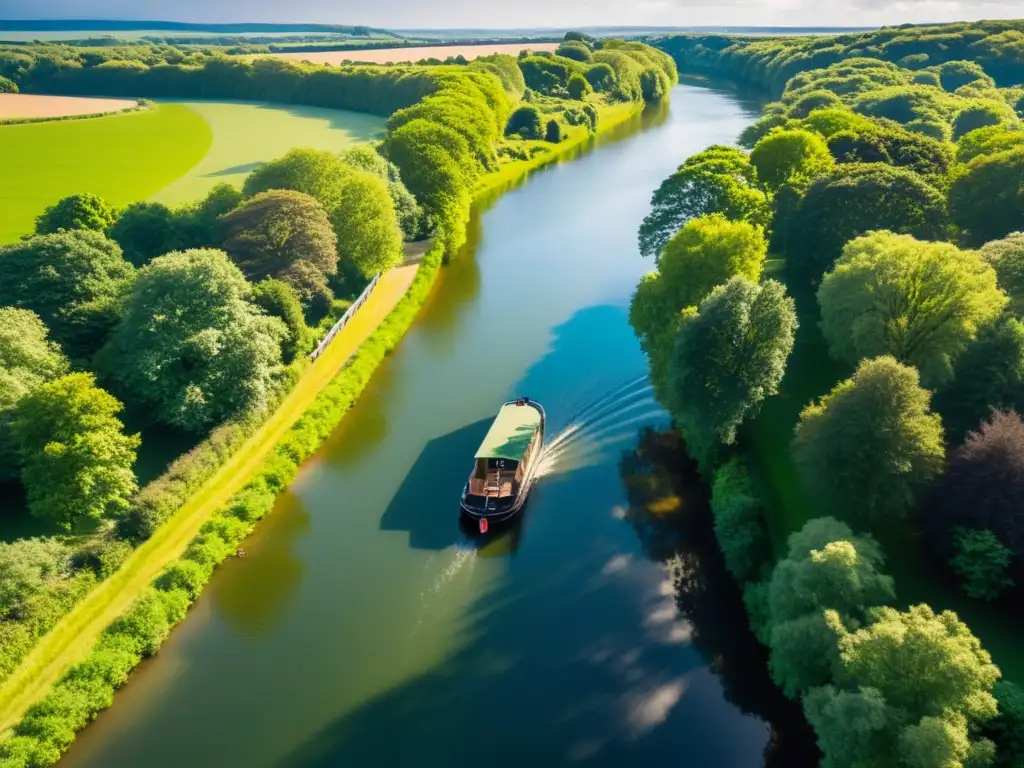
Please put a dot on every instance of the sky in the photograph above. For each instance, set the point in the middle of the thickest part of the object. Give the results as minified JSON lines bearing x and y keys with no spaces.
{"x":412,"y":14}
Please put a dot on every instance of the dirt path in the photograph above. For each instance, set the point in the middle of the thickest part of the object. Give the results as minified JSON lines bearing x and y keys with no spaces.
{"x":73,"y":637}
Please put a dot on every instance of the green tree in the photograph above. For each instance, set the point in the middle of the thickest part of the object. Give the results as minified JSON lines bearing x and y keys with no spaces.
{"x":278,"y":299}
{"x":974,"y":117}
{"x":601,"y":77}
{"x":871,"y":445}
{"x":705,"y":253}
{"x":981,"y":562}
{"x":578,"y":87}
{"x":144,"y":231}
{"x":855,"y":199}
{"x":190,"y":343}
{"x":1007,"y":258}
{"x":73,"y":280}
{"x":553,"y":132}
{"x":989,"y":374}
{"x":8,"y":86}
{"x":27,"y":360}
{"x":577,"y":51}
{"x":987,"y":141}
{"x":430,"y":171}
{"x":739,"y":522}
{"x":26,"y":567}
{"x":852,"y":726}
{"x":525,"y":122}
{"x":920,"y":302}
{"x":1007,"y":728}
{"x":986,"y":199}
{"x":369,"y":238}
{"x":410,"y":215}
{"x":783,"y":154}
{"x":728,"y":358}
{"x":717,"y":180}
{"x":82,"y":211}
{"x":268,"y":233}
{"x":924,"y":664}
{"x":76,"y":460}
{"x":829,"y":580}
{"x":314,"y":172}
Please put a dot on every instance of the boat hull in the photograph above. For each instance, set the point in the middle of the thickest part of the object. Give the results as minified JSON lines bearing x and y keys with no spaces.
{"x":498,"y":513}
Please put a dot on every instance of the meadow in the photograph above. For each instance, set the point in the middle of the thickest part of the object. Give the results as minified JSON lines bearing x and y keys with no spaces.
{"x":246,"y":134}
{"x":401,"y":55}
{"x":122,"y":158}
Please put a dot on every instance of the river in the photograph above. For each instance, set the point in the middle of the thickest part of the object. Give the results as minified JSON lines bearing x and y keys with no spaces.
{"x":365,"y":628}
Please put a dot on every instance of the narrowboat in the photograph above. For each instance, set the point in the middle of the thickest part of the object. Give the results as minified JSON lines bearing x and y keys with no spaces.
{"x":505,"y":464}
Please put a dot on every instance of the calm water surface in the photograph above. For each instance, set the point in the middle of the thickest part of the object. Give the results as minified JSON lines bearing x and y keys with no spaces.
{"x":365,"y":628}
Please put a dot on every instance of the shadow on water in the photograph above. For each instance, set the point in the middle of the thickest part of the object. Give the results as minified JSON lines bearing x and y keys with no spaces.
{"x":427,"y":502}
{"x":670,"y":513}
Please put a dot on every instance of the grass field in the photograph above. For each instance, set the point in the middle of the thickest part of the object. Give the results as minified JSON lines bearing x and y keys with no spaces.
{"x":399,"y":55}
{"x":246,"y":134}
{"x":810,"y":374}
{"x":122,"y":158}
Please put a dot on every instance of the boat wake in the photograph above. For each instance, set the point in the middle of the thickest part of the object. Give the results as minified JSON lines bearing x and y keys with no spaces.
{"x":600,"y":426}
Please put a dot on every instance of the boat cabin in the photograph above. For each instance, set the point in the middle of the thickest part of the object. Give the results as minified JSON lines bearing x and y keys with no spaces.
{"x":503,"y":457}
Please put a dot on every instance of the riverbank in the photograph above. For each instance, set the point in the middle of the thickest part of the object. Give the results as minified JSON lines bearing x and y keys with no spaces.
{"x":73,"y":638}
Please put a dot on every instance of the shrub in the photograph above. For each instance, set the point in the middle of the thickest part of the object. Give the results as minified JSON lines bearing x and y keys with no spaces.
{"x":739,"y":522}
{"x":981,"y":562}
{"x":524,"y":122}
{"x":553,"y":132}
{"x":578,"y":87}
{"x":184,"y":575}
{"x":7,"y":85}
{"x":975,"y":117}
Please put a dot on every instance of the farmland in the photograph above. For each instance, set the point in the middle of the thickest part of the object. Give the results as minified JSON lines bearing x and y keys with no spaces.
{"x":26,"y":105}
{"x":129,"y":157}
{"x":245,"y":135}
{"x":400,"y":55}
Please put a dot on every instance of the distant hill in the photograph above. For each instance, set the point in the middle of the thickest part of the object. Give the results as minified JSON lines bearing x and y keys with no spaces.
{"x":107,"y":25}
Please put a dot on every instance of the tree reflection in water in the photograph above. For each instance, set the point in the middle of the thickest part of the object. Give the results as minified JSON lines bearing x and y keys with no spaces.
{"x":669,"y":510}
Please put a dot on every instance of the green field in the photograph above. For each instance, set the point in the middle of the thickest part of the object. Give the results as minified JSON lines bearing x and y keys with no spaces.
{"x":122,"y":158}
{"x":245,"y":135}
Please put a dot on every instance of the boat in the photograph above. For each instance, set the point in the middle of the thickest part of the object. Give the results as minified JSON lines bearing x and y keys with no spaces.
{"x":505,"y":465}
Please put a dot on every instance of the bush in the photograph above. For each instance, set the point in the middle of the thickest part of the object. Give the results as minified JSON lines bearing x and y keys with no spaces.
{"x":553,"y":132}
{"x":525,"y":122}
{"x":578,"y":87}
{"x":739,"y":522}
{"x":601,"y":77}
{"x":7,"y":85}
{"x":185,"y":575}
{"x":981,"y":561}
{"x":975,"y":117}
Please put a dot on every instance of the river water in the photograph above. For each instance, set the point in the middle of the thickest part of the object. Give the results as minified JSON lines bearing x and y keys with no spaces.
{"x":366,"y":628}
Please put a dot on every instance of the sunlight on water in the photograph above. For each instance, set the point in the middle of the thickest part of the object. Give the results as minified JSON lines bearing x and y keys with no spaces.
{"x":598,"y":427}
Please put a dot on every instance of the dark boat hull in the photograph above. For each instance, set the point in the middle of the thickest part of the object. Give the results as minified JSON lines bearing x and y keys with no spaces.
{"x":498,"y":513}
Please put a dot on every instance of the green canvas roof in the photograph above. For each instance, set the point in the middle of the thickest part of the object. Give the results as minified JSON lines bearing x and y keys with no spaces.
{"x":510,"y":434}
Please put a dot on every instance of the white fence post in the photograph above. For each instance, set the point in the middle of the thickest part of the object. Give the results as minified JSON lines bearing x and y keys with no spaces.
{"x":345,"y":318}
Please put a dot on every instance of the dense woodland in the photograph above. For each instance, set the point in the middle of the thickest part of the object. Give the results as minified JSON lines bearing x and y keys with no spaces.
{"x":200,"y":316}
{"x":887,"y":180}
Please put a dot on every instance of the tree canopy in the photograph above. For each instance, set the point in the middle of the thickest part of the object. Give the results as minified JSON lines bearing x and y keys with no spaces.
{"x":26,"y":567}
{"x":1007,"y":258}
{"x":783,"y":154}
{"x":191,"y":345}
{"x":268,"y":233}
{"x":870,"y":446}
{"x":986,"y":199}
{"x":278,"y":299}
{"x":368,"y":235}
{"x":144,"y":231}
{"x":855,"y":199}
{"x":76,"y":460}
{"x":73,"y":280}
{"x":717,"y":180}
{"x":729,"y":356}
{"x":27,"y":359}
{"x":989,"y":374}
{"x":82,"y":211}
{"x":920,"y":302}
{"x":410,"y":215}
{"x":705,"y":253}
{"x":314,"y":172}
{"x":982,"y":489}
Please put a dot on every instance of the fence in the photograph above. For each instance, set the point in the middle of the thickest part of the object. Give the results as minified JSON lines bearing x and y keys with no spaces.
{"x":336,"y":328}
